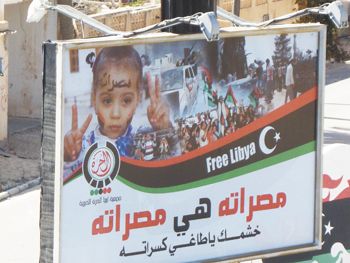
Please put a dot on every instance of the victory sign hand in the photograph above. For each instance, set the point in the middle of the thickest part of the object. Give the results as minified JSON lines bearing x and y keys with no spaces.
{"x":73,"y":139}
{"x":157,"y":111}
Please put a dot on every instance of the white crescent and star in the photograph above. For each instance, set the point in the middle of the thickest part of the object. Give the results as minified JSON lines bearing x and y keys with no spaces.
{"x":262,"y":143}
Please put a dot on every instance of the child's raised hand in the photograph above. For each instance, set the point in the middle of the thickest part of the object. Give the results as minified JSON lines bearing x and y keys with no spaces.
{"x":73,"y":139}
{"x":157,"y":111}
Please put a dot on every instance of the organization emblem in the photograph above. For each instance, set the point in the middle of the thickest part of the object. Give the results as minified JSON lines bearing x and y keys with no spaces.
{"x":101,"y":164}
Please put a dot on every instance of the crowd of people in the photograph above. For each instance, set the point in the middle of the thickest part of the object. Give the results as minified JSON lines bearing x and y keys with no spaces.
{"x":283,"y":76}
{"x":206,"y":127}
{"x":193,"y":132}
{"x":271,"y":79}
{"x":154,"y":146}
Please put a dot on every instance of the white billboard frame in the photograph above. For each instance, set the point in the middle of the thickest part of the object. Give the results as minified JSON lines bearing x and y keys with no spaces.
{"x":63,"y":46}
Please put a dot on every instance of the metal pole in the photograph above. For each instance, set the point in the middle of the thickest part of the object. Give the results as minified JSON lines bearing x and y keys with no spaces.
{"x":179,"y":8}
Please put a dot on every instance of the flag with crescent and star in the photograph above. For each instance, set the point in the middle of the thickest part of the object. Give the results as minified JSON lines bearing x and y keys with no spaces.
{"x":336,"y":212}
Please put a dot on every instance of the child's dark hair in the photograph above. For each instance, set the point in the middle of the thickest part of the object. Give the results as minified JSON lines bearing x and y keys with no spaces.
{"x":147,"y":60}
{"x":124,"y":55}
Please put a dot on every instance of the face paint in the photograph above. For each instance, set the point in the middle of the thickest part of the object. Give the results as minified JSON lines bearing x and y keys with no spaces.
{"x":115,"y":100}
{"x":101,"y":120}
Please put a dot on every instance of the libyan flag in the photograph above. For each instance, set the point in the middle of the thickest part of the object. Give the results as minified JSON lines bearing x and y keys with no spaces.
{"x":230,"y":96}
{"x":335,"y":214}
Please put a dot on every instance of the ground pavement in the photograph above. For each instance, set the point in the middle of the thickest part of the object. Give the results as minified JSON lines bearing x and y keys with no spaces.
{"x":20,"y":154}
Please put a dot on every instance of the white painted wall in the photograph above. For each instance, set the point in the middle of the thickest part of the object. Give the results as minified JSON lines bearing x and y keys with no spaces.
{"x":3,"y":82}
{"x":26,"y":59}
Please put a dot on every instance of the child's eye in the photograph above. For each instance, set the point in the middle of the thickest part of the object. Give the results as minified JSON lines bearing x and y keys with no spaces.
{"x":107,"y":101}
{"x":127,"y":100}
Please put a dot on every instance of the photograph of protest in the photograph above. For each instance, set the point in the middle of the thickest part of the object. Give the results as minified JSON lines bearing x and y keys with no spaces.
{"x":159,"y":101}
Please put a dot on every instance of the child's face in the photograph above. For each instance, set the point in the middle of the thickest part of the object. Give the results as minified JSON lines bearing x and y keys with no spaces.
{"x":115,"y":99}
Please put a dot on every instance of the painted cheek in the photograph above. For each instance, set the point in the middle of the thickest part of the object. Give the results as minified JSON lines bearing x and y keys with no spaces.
{"x":129,"y":118}
{"x":130,"y":115}
{"x":101,"y":119}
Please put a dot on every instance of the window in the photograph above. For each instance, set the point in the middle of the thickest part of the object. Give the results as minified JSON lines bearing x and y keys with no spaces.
{"x":265,"y":17}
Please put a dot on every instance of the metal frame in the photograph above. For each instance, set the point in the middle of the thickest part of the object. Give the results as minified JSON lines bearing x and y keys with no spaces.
{"x":206,"y":21}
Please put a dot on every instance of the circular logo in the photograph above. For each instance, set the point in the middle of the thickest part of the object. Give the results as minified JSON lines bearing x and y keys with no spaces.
{"x":101,"y":164}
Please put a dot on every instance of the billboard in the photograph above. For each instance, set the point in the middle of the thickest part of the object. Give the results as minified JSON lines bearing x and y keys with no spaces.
{"x":175,"y":149}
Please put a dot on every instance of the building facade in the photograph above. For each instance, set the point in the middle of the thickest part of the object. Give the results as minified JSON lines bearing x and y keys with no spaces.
{"x":259,"y":10}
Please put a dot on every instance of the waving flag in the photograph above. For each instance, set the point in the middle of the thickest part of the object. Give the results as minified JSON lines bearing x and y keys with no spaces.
{"x":336,"y":212}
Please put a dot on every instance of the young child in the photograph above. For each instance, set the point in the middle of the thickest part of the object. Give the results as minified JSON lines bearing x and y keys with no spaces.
{"x":148,"y":147}
{"x":115,"y":95}
{"x":163,"y":149}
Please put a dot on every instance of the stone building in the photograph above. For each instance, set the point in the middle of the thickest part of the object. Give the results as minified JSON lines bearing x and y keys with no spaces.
{"x":22,"y":61}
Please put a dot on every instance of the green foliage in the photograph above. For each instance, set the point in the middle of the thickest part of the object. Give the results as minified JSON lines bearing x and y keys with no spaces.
{"x":233,"y":50}
{"x":332,"y":49}
{"x":282,"y":52}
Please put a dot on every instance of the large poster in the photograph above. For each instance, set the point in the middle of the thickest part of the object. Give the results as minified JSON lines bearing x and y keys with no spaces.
{"x":188,"y":150}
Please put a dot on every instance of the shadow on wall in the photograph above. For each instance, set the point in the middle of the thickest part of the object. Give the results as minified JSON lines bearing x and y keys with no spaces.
{"x":336,"y":137}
